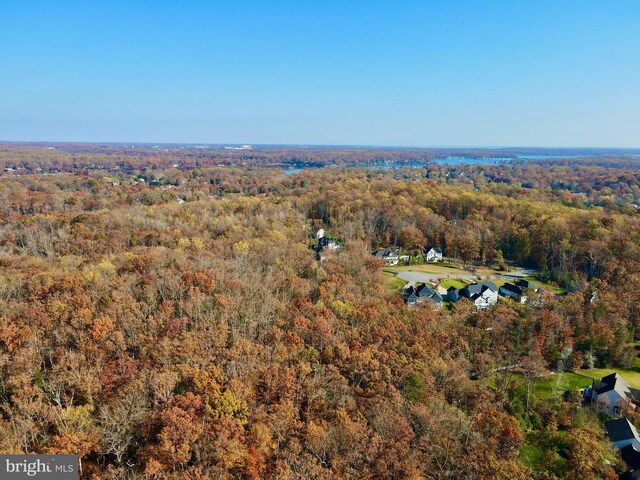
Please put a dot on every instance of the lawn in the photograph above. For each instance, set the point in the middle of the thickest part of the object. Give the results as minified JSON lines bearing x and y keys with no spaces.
{"x":556,"y":384}
{"x":393,"y":283}
{"x":452,"y":282}
{"x":553,"y":385}
{"x":631,"y":376}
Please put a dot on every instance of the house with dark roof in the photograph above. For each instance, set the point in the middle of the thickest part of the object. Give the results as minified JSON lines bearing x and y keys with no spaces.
{"x":482,"y":294}
{"x":526,"y":284}
{"x":327,"y":243}
{"x":622,"y":433}
{"x":421,"y":293}
{"x":433,"y":254}
{"x":631,"y":456}
{"x":611,"y":394}
{"x":625,"y":437}
{"x":453,"y":294}
{"x":390,"y":257}
{"x":514,"y":292}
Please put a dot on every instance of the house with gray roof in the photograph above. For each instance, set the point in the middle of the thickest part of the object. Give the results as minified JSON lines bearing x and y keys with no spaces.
{"x":621,"y":432}
{"x":390,"y":257}
{"x":420,"y":293}
{"x":514,"y":292}
{"x":526,"y":284}
{"x":482,"y":294}
{"x":625,"y":437}
{"x":611,"y":394}
{"x":433,"y":254}
{"x":453,"y":294}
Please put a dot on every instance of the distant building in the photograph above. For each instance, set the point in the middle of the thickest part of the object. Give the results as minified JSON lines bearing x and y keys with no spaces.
{"x":434,"y":254}
{"x":390,"y":257}
{"x":243,"y":147}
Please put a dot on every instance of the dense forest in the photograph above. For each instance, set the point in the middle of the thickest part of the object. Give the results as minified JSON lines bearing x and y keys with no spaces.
{"x":163,"y":314}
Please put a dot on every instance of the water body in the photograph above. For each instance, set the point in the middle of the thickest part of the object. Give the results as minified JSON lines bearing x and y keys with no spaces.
{"x":472,"y":160}
{"x":542,"y":157}
{"x":384,"y":166}
{"x":452,"y":160}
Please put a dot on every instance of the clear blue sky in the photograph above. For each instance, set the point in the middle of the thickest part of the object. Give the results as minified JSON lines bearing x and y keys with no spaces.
{"x":537,"y":73}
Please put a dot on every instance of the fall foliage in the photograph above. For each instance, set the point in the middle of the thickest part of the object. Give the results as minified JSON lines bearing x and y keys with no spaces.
{"x":173,"y":322}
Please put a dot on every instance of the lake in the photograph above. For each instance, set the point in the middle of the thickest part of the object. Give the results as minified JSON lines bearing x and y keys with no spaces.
{"x":453,"y":160}
{"x":471,"y":160}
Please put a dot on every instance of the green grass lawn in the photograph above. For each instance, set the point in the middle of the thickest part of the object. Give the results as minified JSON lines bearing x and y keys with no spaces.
{"x":631,"y":376}
{"x":393,"y":283}
{"x":452,"y":282}
{"x":555,"y":385}
{"x":551,"y":386}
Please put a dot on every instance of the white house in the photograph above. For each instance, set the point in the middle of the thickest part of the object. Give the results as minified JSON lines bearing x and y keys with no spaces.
{"x":434,"y":254}
{"x":328,"y":243}
{"x":482,"y":294}
{"x":390,"y":257}
{"x":611,"y":394}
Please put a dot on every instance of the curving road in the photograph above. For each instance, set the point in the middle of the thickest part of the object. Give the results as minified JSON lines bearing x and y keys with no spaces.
{"x":411,"y":276}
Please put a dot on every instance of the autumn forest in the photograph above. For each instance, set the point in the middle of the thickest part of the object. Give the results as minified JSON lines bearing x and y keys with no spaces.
{"x":165,"y":314}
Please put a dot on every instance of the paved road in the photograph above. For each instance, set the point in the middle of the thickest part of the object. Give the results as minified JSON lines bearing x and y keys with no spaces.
{"x":411,"y":276}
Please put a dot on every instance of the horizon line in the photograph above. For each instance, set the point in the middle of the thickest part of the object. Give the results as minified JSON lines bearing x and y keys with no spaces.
{"x":312,"y":145}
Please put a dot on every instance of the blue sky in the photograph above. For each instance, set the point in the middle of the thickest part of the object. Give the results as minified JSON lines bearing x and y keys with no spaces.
{"x":421,"y":73}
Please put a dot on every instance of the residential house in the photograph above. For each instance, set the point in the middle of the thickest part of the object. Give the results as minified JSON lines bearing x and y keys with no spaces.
{"x":625,"y":437}
{"x":514,"y":292}
{"x":390,"y":257}
{"x":526,"y":284}
{"x":631,"y":456}
{"x":327,"y":243}
{"x":434,"y":254}
{"x":324,"y":245}
{"x":611,"y":394}
{"x":453,"y":294}
{"x":420,"y":293}
{"x":622,"y":433}
{"x":482,"y":294}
